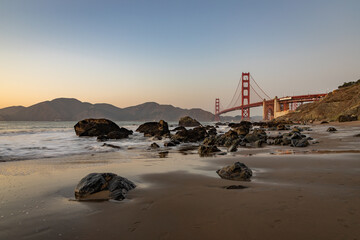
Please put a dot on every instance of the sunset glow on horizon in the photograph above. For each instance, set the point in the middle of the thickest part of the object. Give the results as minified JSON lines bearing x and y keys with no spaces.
{"x":184,"y":53}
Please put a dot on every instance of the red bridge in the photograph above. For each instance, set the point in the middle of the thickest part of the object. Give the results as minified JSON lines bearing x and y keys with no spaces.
{"x":272,"y":107}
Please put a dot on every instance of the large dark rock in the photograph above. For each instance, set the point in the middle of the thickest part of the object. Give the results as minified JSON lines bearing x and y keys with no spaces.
{"x":188,"y":122}
{"x":95,"y":127}
{"x":191,"y":135}
{"x":347,"y":118}
{"x":238,"y":171}
{"x":154,"y":129}
{"x":103,"y":186}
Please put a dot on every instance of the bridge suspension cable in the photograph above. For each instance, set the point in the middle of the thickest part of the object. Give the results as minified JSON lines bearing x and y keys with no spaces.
{"x":261,"y":98}
{"x":232,"y":103}
{"x":259,"y":87}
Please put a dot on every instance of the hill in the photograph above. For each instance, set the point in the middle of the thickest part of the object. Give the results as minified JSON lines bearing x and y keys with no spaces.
{"x":70,"y":109}
{"x":343,"y":101}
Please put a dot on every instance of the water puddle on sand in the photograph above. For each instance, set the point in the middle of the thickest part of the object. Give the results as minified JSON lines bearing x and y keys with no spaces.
{"x":293,"y":152}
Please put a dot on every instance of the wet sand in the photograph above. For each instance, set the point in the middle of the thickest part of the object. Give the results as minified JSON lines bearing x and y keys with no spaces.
{"x":294,"y":194}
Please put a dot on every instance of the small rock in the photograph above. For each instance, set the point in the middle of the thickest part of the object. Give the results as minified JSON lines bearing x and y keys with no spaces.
{"x":169,"y":144}
{"x":154,"y":145}
{"x":236,"y":187}
{"x":111,"y":145}
{"x":163,"y":154}
{"x":331,"y":129}
{"x":205,"y":150}
{"x":324,"y":122}
{"x":299,"y":143}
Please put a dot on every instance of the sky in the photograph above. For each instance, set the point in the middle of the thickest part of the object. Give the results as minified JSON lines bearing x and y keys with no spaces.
{"x":183,"y":53}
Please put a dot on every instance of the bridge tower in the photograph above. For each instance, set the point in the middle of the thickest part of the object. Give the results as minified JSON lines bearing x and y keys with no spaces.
{"x":245,"y":95}
{"x":217,"y":109}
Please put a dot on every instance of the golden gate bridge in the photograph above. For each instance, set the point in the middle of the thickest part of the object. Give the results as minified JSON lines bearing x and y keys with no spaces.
{"x":272,"y":107}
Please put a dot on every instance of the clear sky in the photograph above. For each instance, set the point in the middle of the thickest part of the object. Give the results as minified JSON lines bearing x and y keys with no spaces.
{"x":184,"y":53}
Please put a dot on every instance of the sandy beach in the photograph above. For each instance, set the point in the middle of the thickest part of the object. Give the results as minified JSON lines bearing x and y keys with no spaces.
{"x":295,"y":193}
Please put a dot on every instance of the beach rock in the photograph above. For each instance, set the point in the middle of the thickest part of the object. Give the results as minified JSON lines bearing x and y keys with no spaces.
{"x":227,"y":139}
{"x":209,"y":141}
{"x":299,"y":142}
{"x":163,"y":154}
{"x":103,"y":186}
{"x":205,"y":150}
{"x":324,"y":122}
{"x":236,"y":187}
{"x":258,"y":143}
{"x":211,"y":130}
{"x":178,"y":129}
{"x":95,"y":127}
{"x":238,"y":171}
{"x":154,"y":129}
{"x":111,"y":145}
{"x":347,"y":118}
{"x":331,"y":129}
{"x":235,"y":144}
{"x":192,"y":135}
{"x":256,"y":135}
{"x":281,"y":127}
{"x":242,"y":129}
{"x":154,"y":145}
{"x":170,"y":144}
{"x":188,"y":122}
{"x":122,"y":133}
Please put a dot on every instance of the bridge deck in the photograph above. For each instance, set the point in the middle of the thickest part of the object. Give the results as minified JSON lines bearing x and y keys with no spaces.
{"x":299,"y":98}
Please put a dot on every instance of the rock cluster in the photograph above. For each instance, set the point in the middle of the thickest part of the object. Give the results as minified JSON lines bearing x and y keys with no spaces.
{"x":103,"y":186}
{"x":293,"y":138}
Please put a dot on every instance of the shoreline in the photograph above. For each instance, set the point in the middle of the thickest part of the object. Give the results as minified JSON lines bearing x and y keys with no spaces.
{"x":300,"y":194}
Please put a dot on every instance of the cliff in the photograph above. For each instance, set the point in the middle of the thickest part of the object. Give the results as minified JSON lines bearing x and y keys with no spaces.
{"x":343,"y":101}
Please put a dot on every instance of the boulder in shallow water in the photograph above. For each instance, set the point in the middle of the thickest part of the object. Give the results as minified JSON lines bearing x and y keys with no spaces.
{"x":238,"y":171}
{"x":103,"y":186}
{"x":158,"y":129}
{"x":188,"y":122}
{"x":95,"y":127}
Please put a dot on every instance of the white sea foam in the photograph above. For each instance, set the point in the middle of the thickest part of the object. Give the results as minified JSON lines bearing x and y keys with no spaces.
{"x":29,"y":140}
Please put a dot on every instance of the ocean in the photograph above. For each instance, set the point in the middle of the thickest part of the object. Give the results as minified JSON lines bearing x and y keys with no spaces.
{"x":34,"y":140}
